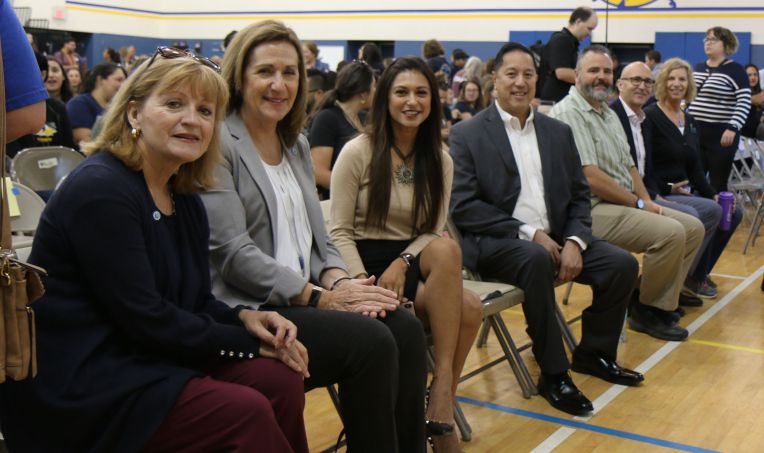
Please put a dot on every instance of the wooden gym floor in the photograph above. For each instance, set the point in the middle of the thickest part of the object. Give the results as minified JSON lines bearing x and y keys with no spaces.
{"x":702,"y":395}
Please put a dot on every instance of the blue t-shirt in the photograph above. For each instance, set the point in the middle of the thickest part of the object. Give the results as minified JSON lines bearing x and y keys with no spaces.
{"x":23,"y":83}
{"x":83,"y":111}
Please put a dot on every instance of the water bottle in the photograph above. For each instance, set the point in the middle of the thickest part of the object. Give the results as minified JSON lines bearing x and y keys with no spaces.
{"x":726,"y":200}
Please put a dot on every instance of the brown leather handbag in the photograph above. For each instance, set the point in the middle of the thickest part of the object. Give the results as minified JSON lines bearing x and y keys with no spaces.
{"x":20,"y":285}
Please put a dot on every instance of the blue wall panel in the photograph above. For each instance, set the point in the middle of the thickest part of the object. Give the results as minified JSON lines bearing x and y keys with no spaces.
{"x":100,"y":41}
{"x":757,"y":55}
{"x":483,"y":50}
{"x":689,"y":46}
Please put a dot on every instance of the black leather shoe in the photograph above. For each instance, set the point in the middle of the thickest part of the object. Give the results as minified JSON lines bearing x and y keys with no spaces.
{"x":685,"y":300}
{"x":563,"y":394}
{"x":605,"y":369}
{"x":646,"y":321}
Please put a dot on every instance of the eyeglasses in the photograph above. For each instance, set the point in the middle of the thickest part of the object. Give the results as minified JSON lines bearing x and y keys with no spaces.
{"x":710,"y":40}
{"x":172,"y":53}
{"x":637,"y":81}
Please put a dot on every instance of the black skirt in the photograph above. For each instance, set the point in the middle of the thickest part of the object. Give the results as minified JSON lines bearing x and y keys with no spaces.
{"x":377,"y":254}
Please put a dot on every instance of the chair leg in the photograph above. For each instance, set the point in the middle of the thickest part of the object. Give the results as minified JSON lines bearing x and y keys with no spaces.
{"x":483,"y":336}
{"x":335,"y":398}
{"x":568,"y":290}
{"x":755,"y":225}
{"x":461,"y":422}
{"x":513,"y":356}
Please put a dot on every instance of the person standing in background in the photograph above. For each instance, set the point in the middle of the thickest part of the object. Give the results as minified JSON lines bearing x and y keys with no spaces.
{"x":68,"y":56}
{"x":721,"y":106}
{"x":561,"y":53}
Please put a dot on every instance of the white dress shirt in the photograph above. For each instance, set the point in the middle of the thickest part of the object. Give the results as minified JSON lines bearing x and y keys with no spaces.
{"x":531,"y":204}
{"x":635,"y":120}
{"x":295,"y":236}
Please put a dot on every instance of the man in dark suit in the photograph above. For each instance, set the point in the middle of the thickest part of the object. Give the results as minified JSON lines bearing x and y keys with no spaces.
{"x":635,"y":87}
{"x":522,"y":203}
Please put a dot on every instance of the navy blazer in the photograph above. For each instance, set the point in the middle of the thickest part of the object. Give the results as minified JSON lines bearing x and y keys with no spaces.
{"x":487,"y":181}
{"x":127,"y":318}
{"x":649,"y":178}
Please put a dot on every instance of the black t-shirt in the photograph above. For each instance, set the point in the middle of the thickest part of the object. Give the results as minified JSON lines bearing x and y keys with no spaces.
{"x":753,"y":120}
{"x":331,"y":128}
{"x":561,"y":52}
{"x":463,"y":107}
{"x":57,"y":131}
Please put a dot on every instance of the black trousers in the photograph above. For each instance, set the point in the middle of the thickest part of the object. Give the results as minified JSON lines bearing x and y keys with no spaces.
{"x":381,"y":369}
{"x":717,"y":159}
{"x":609,"y":270}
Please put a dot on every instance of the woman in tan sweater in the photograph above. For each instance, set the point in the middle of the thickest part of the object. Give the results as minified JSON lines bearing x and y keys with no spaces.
{"x":390,"y":192}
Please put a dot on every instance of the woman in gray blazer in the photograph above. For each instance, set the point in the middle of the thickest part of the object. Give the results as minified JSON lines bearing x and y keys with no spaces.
{"x":269,"y":248}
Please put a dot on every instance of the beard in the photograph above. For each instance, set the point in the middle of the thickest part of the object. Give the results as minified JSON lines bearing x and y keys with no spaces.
{"x":599,"y":96}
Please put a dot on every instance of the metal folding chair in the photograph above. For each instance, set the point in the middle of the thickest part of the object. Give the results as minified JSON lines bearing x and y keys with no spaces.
{"x":42,"y":168}
{"x":746,"y":181}
{"x":497,"y":297}
{"x":24,"y":225}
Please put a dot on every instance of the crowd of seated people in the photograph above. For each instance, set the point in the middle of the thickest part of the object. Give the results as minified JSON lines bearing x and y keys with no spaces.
{"x":253,"y":301}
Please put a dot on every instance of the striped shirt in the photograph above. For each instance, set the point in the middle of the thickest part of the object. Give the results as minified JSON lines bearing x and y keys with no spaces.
{"x":723,"y":95}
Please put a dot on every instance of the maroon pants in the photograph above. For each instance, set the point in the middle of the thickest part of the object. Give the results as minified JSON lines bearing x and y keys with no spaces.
{"x":241,"y":406}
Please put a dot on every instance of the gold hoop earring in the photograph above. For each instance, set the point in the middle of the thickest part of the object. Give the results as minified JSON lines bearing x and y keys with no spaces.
{"x":135,"y":133}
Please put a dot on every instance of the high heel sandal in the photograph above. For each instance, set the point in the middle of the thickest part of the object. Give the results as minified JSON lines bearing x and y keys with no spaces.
{"x":434,"y":428}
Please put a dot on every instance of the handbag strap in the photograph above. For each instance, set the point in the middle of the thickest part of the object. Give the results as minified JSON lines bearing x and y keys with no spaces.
{"x":5,"y":220}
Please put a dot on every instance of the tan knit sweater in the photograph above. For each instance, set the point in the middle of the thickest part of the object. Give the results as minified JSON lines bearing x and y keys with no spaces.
{"x":349,"y":188}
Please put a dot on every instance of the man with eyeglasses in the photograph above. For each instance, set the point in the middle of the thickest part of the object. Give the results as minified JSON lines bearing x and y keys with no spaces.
{"x":635,"y":87}
{"x":622,"y":210}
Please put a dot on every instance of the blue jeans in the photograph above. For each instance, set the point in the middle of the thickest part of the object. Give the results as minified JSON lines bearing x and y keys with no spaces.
{"x":715,"y":248}
{"x":704,"y":209}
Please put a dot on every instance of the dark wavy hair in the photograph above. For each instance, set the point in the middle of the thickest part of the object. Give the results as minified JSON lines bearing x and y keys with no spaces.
{"x":757,"y":88}
{"x":428,"y":164}
{"x":66,"y":89}
{"x":101,"y":70}
{"x":353,"y":79}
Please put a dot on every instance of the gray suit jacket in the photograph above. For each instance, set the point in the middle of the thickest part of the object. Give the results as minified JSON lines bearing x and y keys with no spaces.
{"x":242,"y":215}
{"x":487,"y":182}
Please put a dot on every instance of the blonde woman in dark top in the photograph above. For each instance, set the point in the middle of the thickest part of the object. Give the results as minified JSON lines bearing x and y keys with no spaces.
{"x":679,"y":173}
{"x":390,"y":192}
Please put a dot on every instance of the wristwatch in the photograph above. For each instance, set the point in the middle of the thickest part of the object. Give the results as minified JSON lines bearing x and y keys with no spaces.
{"x":407,"y":258}
{"x":640,"y":203}
{"x":315,"y":296}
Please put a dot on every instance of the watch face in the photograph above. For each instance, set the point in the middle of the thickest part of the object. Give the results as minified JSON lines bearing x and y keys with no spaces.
{"x":640,"y":203}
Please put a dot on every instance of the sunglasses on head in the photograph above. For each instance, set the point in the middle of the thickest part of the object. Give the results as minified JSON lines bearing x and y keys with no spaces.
{"x":172,"y":53}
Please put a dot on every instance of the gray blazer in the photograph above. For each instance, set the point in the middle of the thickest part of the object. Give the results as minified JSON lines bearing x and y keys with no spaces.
{"x":242,"y":215}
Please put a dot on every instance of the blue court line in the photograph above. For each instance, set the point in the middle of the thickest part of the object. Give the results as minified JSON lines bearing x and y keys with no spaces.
{"x":586,"y":426}
{"x":405,"y":11}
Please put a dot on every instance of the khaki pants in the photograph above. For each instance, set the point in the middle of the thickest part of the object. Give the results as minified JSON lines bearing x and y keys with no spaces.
{"x":669,"y":243}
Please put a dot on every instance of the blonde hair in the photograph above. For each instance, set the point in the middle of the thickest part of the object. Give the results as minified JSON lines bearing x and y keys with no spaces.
{"x":661,"y":82}
{"x":163,"y":74}
{"x":237,"y":58}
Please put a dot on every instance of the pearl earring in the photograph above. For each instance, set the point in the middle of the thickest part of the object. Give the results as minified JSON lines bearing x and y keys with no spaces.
{"x":136,"y":133}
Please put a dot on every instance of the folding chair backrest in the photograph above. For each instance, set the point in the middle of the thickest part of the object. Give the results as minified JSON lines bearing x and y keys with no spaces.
{"x":42,"y":168}
{"x":30,"y":206}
